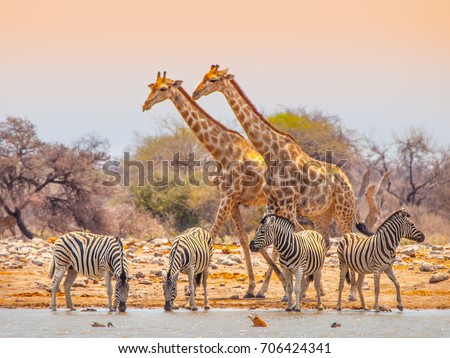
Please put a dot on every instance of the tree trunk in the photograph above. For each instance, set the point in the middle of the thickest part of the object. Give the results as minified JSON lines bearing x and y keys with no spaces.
{"x":21,"y":224}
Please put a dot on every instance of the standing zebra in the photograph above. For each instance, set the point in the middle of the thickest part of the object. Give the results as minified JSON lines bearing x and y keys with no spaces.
{"x":92,"y":256}
{"x":301,"y":254}
{"x":375,"y":254}
{"x":190,"y":254}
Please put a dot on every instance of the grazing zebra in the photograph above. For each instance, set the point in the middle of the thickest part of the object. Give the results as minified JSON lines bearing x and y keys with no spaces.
{"x":92,"y":256}
{"x":375,"y":254}
{"x":190,"y":254}
{"x":301,"y":254}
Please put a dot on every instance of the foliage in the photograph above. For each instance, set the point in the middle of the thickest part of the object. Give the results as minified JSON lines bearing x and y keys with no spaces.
{"x":59,"y":183}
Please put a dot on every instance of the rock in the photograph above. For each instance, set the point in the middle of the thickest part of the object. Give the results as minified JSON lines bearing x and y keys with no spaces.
{"x":145,"y":282}
{"x":140,"y":275}
{"x":156,"y":273}
{"x":37,"y":262}
{"x":440,"y":267}
{"x":157,"y":254}
{"x":437,"y":248}
{"x":141,"y":260}
{"x":411,"y":267}
{"x":410,"y":251}
{"x":79,"y":284}
{"x":4,"y":253}
{"x":438,"y":277}
{"x":240,"y":279}
{"x":222,"y":285}
{"x":213,"y":266}
{"x":159,"y":242}
{"x":235,"y":258}
{"x":234,"y":297}
{"x":225,"y":261}
{"x":365,"y":285}
{"x":427,"y":267}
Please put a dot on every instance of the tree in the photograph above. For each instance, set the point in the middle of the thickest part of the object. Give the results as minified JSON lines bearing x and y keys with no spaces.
{"x":61,"y":182}
{"x":420,"y":167}
{"x":317,"y":134}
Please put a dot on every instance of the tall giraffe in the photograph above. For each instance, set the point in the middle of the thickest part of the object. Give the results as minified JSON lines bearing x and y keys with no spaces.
{"x":241,"y":179}
{"x":296,"y":182}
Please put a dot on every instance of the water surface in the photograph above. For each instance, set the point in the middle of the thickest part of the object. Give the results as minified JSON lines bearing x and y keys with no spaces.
{"x":227,"y":323}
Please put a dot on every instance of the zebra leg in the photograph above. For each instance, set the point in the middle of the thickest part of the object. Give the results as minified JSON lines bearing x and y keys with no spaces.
{"x":343,"y":269}
{"x":376,"y":279}
{"x":68,"y":282}
{"x":59,"y":274}
{"x":289,"y":288}
{"x":300,"y":286}
{"x":237,"y":220}
{"x":109,"y":290}
{"x":205,"y":283}
{"x":318,"y":287}
{"x":191,"y":278}
{"x":359,"y":284}
{"x":391,"y":275}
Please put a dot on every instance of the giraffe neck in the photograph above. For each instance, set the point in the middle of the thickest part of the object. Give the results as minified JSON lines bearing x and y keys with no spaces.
{"x":267,"y":140}
{"x":207,"y":129}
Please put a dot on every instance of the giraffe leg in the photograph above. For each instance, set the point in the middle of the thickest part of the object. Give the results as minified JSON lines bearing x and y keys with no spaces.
{"x":344,"y":213}
{"x":272,"y":268}
{"x":237,"y":219}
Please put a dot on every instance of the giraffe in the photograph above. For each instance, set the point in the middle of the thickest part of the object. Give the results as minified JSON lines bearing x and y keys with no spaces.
{"x":241,"y":179}
{"x":295,"y":182}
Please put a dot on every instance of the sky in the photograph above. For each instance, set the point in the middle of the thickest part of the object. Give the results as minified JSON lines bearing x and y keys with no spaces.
{"x":80,"y":67}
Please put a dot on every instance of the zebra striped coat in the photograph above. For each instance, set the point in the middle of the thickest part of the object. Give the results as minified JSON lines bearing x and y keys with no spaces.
{"x":190,"y":254}
{"x":375,"y":254}
{"x":92,"y":256}
{"x":301,"y":254}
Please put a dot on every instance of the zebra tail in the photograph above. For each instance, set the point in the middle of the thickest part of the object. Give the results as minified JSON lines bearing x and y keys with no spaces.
{"x":198,"y":279}
{"x":310,"y":278}
{"x":51,"y":271}
{"x":362,"y":228}
{"x":347,"y":277}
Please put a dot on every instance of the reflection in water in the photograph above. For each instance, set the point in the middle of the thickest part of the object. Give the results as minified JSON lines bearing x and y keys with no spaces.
{"x":227,"y":323}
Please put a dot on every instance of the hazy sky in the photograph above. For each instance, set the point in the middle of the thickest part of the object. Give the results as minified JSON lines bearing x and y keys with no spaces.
{"x":76,"y":67}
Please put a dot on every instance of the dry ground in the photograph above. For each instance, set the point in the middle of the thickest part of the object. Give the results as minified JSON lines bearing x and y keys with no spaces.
{"x":28,"y":287}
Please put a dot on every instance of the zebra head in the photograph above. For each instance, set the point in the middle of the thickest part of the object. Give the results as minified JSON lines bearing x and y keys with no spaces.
{"x":268,"y":231}
{"x":409,"y":230}
{"x":169,"y":288}
{"x":121,"y":292}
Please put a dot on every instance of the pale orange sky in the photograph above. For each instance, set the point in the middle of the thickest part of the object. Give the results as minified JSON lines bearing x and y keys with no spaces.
{"x":78,"y":67}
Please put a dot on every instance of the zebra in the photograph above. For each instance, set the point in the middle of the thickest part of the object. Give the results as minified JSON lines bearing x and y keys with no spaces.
{"x":375,"y":254}
{"x":190,"y":254}
{"x":92,"y":256}
{"x":301,"y":254}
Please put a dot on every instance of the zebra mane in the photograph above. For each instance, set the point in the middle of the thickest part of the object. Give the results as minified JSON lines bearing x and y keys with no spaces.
{"x":169,"y":271}
{"x":280,"y":218}
{"x":123,"y":275}
{"x":396,"y":213}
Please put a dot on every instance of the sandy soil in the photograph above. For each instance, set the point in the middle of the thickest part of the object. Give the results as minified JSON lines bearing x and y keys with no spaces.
{"x":29,"y":286}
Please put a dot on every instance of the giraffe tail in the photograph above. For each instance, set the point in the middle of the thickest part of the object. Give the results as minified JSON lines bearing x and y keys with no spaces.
{"x":51,"y":271}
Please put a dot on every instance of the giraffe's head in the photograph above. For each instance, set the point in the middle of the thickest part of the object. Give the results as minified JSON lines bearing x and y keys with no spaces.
{"x":213,"y":81}
{"x":161,"y":90}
